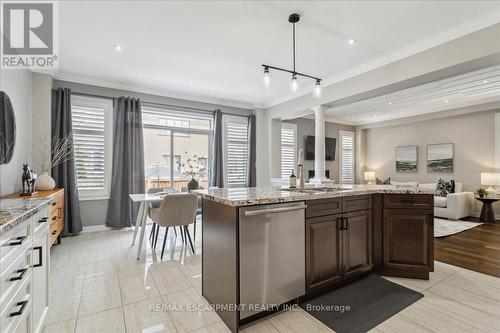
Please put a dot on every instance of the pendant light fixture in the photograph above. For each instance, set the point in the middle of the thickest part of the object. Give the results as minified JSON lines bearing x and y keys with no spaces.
{"x":294,"y":84}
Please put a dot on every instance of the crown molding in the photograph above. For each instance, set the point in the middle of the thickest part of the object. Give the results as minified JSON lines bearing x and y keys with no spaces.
{"x":152,"y":91}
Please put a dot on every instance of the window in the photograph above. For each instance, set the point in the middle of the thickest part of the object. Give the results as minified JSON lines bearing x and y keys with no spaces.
{"x":235,"y":150}
{"x":92,"y":139}
{"x":346,"y":163}
{"x":288,"y":148}
{"x":174,"y":143}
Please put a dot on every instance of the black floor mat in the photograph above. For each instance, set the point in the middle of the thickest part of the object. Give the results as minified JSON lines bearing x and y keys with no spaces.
{"x":371,"y":301}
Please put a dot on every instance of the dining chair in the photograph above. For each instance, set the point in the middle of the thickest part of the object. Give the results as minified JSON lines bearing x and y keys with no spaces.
{"x":176,"y":209}
{"x":154,"y":190}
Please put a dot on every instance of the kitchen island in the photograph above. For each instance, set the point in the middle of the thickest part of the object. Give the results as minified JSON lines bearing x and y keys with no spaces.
{"x":263,"y":247}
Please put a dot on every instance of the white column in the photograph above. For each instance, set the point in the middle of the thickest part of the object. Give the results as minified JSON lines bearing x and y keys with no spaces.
{"x":319,"y":144}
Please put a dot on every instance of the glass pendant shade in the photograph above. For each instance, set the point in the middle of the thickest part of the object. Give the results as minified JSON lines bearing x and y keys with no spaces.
{"x":317,"y":89}
{"x":294,"y":85}
{"x":267,"y":77}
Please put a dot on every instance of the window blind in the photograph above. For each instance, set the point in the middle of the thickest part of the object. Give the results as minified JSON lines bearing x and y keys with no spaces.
{"x":88,"y":139}
{"x":288,"y":149}
{"x":346,"y":157}
{"x":236,"y":153}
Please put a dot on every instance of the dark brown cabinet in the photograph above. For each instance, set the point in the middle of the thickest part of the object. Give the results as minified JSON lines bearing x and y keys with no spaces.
{"x":323,"y":251}
{"x":407,"y":238}
{"x":338,"y":246}
{"x":357,"y":243}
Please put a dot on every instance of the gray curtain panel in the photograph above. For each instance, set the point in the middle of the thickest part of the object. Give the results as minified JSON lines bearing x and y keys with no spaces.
{"x":127,"y":175}
{"x":251,"y":169}
{"x":217,"y":176}
{"x":65,"y":173}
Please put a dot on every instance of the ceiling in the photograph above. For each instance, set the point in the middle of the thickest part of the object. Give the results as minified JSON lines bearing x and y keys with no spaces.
{"x":213,"y":51}
{"x":473,"y":88}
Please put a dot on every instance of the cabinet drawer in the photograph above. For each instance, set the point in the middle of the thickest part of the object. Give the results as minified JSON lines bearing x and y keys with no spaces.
{"x":322,"y":207}
{"x":420,"y":201}
{"x":15,"y":312}
{"x":14,"y":275}
{"x":357,"y":202}
{"x":14,"y":241}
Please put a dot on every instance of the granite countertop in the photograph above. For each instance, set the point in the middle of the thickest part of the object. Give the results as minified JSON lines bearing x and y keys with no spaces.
{"x":248,"y":196}
{"x":15,"y":211}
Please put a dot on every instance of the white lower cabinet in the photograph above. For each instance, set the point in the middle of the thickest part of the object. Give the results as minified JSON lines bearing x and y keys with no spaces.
{"x":41,"y":274}
{"x":24,"y":275}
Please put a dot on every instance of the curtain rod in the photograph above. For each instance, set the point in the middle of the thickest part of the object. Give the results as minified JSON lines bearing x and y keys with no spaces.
{"x":158,"y":104}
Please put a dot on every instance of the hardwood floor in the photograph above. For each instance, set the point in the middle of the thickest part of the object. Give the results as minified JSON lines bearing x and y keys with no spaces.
{"x":477,"y":249}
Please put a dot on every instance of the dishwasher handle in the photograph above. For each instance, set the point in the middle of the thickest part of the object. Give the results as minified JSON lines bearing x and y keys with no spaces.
{"x":274,"y":210}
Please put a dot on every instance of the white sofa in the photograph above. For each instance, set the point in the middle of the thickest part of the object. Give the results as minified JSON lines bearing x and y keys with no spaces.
{"x":454,"y":206}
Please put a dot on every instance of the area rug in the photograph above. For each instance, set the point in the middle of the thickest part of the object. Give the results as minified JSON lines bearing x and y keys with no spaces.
{"x":361,"y":305}
{"x":444,"y":227}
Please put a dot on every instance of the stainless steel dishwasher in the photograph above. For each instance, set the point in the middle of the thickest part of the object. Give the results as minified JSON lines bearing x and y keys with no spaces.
{"x":272,"y":255}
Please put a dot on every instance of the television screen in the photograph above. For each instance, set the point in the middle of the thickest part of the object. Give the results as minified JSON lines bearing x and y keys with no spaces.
{"x":330,"y":145}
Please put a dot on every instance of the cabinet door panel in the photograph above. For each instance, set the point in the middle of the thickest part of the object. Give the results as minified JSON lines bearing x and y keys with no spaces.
{"x":323,"y":252}
{"x":357,"y":241}
{"x":406,"y":242}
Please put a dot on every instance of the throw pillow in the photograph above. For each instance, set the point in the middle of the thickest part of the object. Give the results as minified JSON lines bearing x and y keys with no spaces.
{"x":383,"y":182}
{"x":444,"y":188}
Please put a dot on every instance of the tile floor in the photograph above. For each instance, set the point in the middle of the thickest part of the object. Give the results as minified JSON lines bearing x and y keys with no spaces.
{"x":97,"y":285}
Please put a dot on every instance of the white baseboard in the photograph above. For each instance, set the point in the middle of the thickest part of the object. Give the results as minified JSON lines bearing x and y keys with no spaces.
{"x":95,"y":228}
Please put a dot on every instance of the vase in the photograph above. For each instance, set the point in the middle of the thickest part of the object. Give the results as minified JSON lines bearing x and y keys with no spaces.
{"x":193,"y":185}
{"x":44,"y":182}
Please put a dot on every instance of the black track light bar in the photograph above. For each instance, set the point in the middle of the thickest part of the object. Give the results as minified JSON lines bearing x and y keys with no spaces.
{"x":291,"y":72}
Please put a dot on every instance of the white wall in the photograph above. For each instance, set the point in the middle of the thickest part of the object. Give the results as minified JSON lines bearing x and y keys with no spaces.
{"x":41,"y":117}
{"x":17,"y":84}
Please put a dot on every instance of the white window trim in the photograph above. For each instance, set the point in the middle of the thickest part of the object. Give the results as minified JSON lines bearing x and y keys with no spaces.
{"x":107,"y":105}
{"x":341,"y":134}
{"x":294,"y":128}
{"x":497,"y":142}
{"x":225,"y":119}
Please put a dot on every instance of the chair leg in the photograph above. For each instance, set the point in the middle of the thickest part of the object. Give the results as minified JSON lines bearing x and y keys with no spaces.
{"x":164,"y":242}
{"x":157,"y":232}
{"x":189,"y":237}
{"x":194,"y":230}
{"x":152,"y":234}
{"x":182,"y":234}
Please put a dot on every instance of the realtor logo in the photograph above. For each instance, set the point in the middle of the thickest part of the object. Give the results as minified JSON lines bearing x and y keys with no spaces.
{"x":29,"y":35}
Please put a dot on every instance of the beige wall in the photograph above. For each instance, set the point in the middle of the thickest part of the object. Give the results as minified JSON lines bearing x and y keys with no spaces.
{"x":305,"y":127}
{"x":473,"y":136}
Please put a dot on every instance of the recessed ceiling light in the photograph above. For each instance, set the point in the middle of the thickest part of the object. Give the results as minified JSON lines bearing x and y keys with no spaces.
{"x":192,"y":84}
{"x":374,"y":114}
{"x":485,"y":81}
{"x":390,"y":103}
{"x":118,"y":47}
{"x":351,"y":41}
{"x":446,"y":101}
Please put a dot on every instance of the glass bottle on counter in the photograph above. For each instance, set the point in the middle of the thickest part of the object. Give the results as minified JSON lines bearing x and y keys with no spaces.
{"x":292,"y":183}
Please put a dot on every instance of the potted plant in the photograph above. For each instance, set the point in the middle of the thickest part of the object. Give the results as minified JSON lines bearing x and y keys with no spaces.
{"x":50,"y":153}
{"x":481,"y":192}
{"x":192,"y":168}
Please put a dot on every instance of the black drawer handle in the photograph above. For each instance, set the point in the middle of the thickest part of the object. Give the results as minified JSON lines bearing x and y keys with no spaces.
{"x":408,"y":201}
{"x":22,"y":306}
{"x":40,"y":256}
{"x":54,"y":232}
{"x":17,"y":240}
{"x":54,"y":218}
{"x":53,"y":204}
{"x":21,"y":273}
{"x":43,"y":219}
